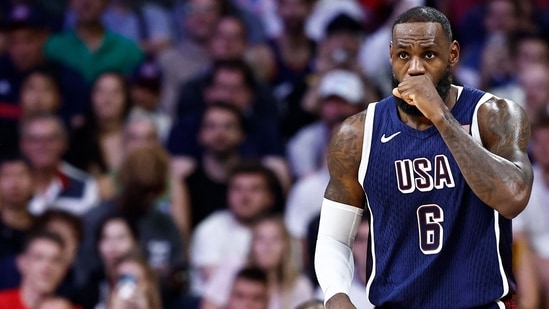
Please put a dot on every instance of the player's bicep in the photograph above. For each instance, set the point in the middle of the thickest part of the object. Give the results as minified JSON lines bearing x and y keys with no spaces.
{"x":505,"y":130}
{"x":344,"y":154}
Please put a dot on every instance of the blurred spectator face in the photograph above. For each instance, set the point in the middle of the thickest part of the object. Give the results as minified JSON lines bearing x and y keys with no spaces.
{"x":42,"y":266}
{"x":268,"y":245}
{"x":39,"y":94}
{"x":200,"y":19}
{"x":249,"y":196}
{"x":540,"y":146}
{"x":534,"y":81}
{"x":501,"y":16}
{"x":229,"y":39}
{"x":229,"y":86}
{"x":16,"y":186}
{"x":531,"y":52}
{"x":139,"y":134}
{"x":109,"y":97}
{"x":43,"y":143}
{"x":116,"y":241}
{"x":88,"y":11}
{"x":248,"y":294}
{"x":293,"y":14}
{"x":68,"y":235}
{"x":145,"y":98}
{"x":25,"y":47}
{"x":221,"y":131}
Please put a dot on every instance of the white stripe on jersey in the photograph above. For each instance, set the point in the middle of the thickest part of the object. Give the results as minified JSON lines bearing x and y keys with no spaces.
{"x":363,"y":167}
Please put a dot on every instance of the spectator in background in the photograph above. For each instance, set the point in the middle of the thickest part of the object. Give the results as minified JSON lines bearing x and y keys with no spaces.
{"x":270,"y":251}
{"x":221,"y":136}
{"x":190,"y":56}
{"x":16,"y":191}
{"x":102,"y":153}
{"x":145,"y":295}
{"x":143,"y":177}
{"x":534,"y":82}
{"x":531,"y":227}
{"x":485,"y":63}
{"x":145,"y":91}
{"x":226,"y":234}
{"x":144,"y":22}
{"x":69,"y":228}
{"x":528,"y":49}
{"x":40,"y":93}
{"x":57,"y":183}
{"x":340,"y":95}
{"x":338,"y":49}
{"x":42,"y":268}
{"x":249,"y":290}
{"x":116,"y":238}
{"x":90,"y":48}
{"x":26,"y":34}
{"x":140,"y":131}
{"x":232,"y":82}
{"x":289,"y":61}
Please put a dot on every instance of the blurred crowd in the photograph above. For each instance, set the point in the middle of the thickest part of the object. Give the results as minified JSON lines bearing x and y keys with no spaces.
{"x":171,"y":153}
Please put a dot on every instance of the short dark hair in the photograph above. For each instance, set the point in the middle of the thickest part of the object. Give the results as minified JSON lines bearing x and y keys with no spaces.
{"x":14,"y":156}
{"x":231,"y":108}
{"x":252,"y":166}
{"x":42,"y":235}
{"x":343,"y":23}
{"x":252,"y":273}
{"x":50,"y":215}
{"x":45,"y":116}
{"x":425,"y":14}
{"x":238,"y":65}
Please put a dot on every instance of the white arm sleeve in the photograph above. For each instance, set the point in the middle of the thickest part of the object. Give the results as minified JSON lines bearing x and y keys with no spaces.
{"x":334,"y":264}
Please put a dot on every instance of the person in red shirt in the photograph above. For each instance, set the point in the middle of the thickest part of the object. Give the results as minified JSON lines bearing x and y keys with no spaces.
{"x":42,"y":268}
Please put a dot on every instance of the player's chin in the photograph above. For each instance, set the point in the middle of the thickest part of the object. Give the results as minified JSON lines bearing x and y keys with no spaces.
{"x":407,"y":108}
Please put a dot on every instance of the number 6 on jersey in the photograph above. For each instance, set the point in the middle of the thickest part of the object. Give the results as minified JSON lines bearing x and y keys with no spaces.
{"x":430,"y":230}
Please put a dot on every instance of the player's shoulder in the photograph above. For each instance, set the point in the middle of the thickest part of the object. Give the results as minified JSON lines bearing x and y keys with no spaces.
{"x":501,"y":106}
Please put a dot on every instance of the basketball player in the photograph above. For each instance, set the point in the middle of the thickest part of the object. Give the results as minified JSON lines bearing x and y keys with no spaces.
{"x":442,"y":169}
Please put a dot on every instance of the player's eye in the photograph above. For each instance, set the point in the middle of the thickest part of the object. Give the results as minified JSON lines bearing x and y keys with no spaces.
{"x":403,"y":55}
{"x":429,"y":55}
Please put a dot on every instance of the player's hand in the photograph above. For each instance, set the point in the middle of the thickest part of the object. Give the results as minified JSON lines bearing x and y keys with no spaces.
{"x":420,"y":92}
{"x":339,"y":301}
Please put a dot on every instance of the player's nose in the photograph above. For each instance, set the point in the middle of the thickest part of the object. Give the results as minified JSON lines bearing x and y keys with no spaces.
{"x":415,"y":67}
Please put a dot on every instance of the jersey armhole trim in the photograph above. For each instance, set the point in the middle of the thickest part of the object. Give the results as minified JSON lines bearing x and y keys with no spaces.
{"x":475,"y":130}
{"x":366,"y":141}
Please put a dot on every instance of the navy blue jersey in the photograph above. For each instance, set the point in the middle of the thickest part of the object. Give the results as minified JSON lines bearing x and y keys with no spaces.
{"x":434,"y":243}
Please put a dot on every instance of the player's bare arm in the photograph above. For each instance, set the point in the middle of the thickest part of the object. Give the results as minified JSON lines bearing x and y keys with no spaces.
{"x":344,"y":154}
{"x":499,"y":171}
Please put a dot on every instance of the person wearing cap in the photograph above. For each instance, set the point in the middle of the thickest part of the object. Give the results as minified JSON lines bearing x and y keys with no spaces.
{"x":338,"y":49}
{"x":90,"y":48}
{"x":26,"y":33}
{"x":341,"y":94}
{"x":145,"y":92}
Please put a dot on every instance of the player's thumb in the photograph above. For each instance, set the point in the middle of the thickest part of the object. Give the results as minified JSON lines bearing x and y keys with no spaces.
{"x":396,"y":93}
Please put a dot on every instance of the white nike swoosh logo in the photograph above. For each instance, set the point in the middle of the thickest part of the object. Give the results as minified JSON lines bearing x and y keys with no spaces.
{"x":385,"y":139}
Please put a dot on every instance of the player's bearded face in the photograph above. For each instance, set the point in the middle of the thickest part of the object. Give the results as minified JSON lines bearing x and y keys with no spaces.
{"x":443,"y":89}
